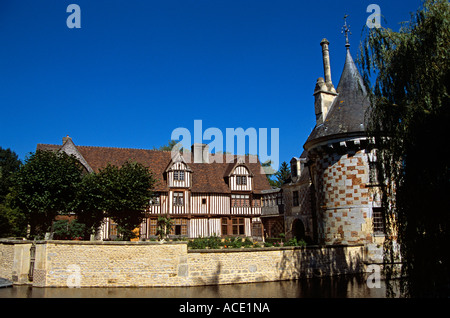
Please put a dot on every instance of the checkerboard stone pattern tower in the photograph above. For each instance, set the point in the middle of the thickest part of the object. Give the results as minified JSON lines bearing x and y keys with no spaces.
{"x":338,"y":158}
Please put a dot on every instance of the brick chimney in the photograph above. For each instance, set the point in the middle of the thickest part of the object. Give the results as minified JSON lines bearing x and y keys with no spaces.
{"x":200,"y":153}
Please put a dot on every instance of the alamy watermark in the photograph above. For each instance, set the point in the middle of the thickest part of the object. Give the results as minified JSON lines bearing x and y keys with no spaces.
{"x":74,"y":277}
{"x":74,"y":19}
{"x":374,"y":20}
{"x":257,"y":146}
{"x":374,"y":279}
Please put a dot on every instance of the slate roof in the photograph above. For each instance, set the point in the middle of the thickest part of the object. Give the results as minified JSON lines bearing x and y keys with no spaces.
{"x":206,"y":177}
{"x":347,"y":112}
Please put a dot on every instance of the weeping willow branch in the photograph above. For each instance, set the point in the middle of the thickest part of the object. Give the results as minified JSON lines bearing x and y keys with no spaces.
{"x":407,"y":75}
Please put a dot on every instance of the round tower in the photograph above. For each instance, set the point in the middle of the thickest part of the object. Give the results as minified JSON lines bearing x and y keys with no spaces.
{"x":343,"y":204}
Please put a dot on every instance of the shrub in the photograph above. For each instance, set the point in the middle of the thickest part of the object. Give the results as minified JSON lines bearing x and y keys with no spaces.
{"x":214,"y":242}
{"x":66,"y":230}
{"x":198,"y":243}
{"x":295,"y":242}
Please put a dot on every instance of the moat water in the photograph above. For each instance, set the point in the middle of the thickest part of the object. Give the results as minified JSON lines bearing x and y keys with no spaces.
{"x":329,"y":287}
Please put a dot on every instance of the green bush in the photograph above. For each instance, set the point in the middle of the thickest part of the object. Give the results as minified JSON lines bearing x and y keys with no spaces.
{"x":294,"y":242}
{"x":216,"y":242}
{"x":213,"y":242}
{"x":198,"y":243}
{"x":68,"y":230}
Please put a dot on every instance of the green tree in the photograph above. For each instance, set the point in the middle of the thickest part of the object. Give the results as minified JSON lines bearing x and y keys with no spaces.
{"x":66,"y":230}
{"x":9,"y":163}
{"x":12,"y":221}
{"x":89,"y":203}
{"x":44,"y":187}
{"x":408,"y":128}
{"x":283,"y":175}
{"x":168,"y":147}
{"x":127,"y":193}
{"x":165,"y":225}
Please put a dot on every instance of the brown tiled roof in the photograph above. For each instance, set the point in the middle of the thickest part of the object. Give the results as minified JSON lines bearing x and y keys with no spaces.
{"x":206,"y":177}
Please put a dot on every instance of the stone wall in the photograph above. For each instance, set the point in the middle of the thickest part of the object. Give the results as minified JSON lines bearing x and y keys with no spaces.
{"x":15,"y":260}
{"x":344,"y":200}
{"x":148,"y":264}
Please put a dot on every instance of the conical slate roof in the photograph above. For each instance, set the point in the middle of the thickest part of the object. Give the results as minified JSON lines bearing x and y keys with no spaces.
{"x":347,"y":112}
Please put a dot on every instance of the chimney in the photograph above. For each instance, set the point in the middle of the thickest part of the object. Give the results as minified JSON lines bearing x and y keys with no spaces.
{"x":65,"y":139}
{"x":326,"y":64}
{"x":324,"y":91}
{"x":201,"y":153}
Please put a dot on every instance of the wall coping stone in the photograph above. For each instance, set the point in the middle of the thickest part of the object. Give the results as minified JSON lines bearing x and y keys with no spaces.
{"x":280,"y":248}
{"x":70,"y":242}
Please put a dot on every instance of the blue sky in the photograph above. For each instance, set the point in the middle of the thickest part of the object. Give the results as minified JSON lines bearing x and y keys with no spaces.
{"x":138,"y":69}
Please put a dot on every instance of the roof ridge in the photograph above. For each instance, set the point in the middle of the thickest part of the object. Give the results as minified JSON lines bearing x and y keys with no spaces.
{"x":125,"y":148}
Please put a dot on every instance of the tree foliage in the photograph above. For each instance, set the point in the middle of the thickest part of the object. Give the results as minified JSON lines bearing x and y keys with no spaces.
{"x":126,"y":195}
{"x":283,"y":175}
{"x":408,"y":126}
{"x":168,"y":147}
{"x":89,"y":203}
{"x":164,"y":227}
{"x":44,"y":187}
{"x":12,"y":222}
{"x":9,"y":163}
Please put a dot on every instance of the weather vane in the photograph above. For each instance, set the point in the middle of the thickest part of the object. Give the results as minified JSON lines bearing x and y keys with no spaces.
{"x":346,"y":30}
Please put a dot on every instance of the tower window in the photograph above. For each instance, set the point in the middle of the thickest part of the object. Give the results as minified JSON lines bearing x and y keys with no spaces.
{"x":295,"y":200}
{"x":378,"y":220}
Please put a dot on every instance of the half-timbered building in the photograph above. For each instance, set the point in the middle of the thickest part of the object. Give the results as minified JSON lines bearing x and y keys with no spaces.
{"x":202,"y":196}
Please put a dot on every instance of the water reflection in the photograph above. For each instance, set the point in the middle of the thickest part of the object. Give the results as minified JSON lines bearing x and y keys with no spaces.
{"x":330,"y":287}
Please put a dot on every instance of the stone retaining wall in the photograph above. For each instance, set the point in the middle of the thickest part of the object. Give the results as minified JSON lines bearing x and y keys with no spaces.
{"x":148,"y":264}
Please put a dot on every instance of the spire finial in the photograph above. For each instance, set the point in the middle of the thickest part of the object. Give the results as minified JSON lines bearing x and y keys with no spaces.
{"x":346,"y":30}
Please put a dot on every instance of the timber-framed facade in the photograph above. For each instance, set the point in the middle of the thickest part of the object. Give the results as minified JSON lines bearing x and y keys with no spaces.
{"x":203,"y":197}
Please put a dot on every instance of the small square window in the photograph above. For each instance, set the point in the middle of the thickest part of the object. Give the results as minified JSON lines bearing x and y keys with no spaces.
{"x":203,"y":201}
{"x":178,"y":175}
{"x":241,"y":180}
{"x":178,"y":198}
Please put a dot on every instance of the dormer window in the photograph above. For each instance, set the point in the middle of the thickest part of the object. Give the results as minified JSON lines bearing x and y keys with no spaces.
{"x":178,"y":175}
{"x":241,"y":180}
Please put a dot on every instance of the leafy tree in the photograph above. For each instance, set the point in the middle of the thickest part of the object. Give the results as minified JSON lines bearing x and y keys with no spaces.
{"x":164,"y":227}
{"x":9,"y":163}
{"x":89,"y":203}
{"x":65,"y":229}
{"x":408,"y":127}
{"x":127,"y":193}
{"x":168,"y":147}
{"x":12,"y":221}
{"x":44,"y":187}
